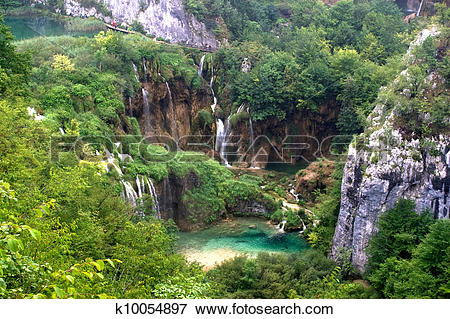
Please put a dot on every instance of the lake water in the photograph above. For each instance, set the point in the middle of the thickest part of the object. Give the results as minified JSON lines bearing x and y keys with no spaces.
{"x":27,"y":27}
{"x":231,"y":238}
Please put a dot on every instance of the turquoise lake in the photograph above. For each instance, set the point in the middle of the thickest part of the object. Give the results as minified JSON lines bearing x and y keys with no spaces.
{"x":27,"y":27}
{"x":228,"y":239}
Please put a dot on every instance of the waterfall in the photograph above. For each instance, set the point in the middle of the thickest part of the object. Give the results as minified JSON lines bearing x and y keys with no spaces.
{"x":136,"y":198}
{"x":110,"y":161}
{"x":252,"y":139}
{"x":152,"y":192}
{"x":61,"y":130}
{"x":420,"y":8}
{"x":174,"y":122}
{"x":200,"y":66}
{"x":144,"y":64}
{"x":220,"y":130}
{"x":146,"y":106}
{"x":223,"y":134}
{"x":130,"y":193}
{"x":32,"y":112}
{"x":281,"y":226}
{"x":136,"y":73}
{"x":292,"y":191}
{"x":138,"y":184}
{"x":211,"y":82}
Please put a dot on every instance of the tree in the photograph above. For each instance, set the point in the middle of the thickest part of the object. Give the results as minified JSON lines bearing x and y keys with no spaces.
{"x":433,"y":255}
{"x":269,"y":89}
{"x":400,"y":230}
{"x":6,"y":5}
{"x":400,"y":278}
{"x":14,"y":67}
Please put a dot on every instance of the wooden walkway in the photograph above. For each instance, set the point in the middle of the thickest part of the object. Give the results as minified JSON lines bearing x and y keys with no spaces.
{"x":202,"y":49}
{"x":109,"y":26}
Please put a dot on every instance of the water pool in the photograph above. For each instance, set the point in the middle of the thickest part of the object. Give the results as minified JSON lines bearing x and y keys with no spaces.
{"x":231,"y":238}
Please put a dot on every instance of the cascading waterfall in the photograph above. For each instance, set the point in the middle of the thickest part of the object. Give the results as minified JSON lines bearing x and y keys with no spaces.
{"x":110,"y":161}
{"x":211,"y":82}
{"x":420,"y":8}
{"x":292,"y":191}
{"x":252,"y":138}
{"x":223,"y":135}
{"x":146,"y":103}
{"x":152,"y":192}
{"x":144,"y":64}
{"x":220,"y":127}
{"x":138,"y":184}
{"x":146,"y":106}
{"x":136,"y":198}
{"x":174,"y":122}
{"x":129,"y":193}
{"x":61,"y":130}
{"x":223,"y":130}
{"x":136,"y":73}
{"x":282,"y":225}
{"x":200,"y":66}
{"x":220,"y":130}
{"x":32,"y":112}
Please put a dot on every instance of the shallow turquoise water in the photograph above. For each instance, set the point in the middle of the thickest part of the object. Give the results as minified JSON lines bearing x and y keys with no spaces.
{"x":237,"y":236}
{"x":27,"y":27}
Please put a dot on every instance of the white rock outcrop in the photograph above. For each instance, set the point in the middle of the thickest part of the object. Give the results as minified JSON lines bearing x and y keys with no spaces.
{"x":384,"y":166}
{"x":162,"y":18}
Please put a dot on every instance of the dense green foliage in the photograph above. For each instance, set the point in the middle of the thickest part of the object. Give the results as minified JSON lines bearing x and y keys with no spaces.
{"x":308,"y":275}
{"x":63,"y":221}
{"x":410,"y":255}
{"x":85,"y":219}
{"x":326,"y":211}
{"x":304,"y":55}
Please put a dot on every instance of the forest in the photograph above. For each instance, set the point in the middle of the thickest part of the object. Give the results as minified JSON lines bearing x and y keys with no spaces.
{"x":66,"y":230}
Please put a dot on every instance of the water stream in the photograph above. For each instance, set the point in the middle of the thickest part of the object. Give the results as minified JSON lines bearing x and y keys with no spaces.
{"x":146,"y":109}
{"x":200,"y":66}
{"x":172,"y":110}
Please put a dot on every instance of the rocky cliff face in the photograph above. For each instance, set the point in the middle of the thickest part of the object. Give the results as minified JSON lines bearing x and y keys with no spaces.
{"x":385,"y":164}
{"x":161,"y":18}
{"x":304,"y":137}
{"x":173,"y":204}
{"x":174,"y":109}
{"x":168,"y":108}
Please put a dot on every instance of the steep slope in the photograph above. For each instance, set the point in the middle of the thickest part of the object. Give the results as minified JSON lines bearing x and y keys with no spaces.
{"x":404,"y":153}
{"x":162,"y":18}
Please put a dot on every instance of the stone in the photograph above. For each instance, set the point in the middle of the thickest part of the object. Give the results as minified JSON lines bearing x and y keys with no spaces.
{"x":162,"y":18}
{"x":389,"y":166}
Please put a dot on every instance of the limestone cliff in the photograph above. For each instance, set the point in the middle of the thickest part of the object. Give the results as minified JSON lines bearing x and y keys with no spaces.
{"x":162,"y":18}
{"x":303,"y":136}
{"x":391,"y":161}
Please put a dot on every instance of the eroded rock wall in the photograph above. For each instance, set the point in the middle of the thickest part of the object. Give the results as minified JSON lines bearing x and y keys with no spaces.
{"x":162,"y":18}
{"x":385,"y":164}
